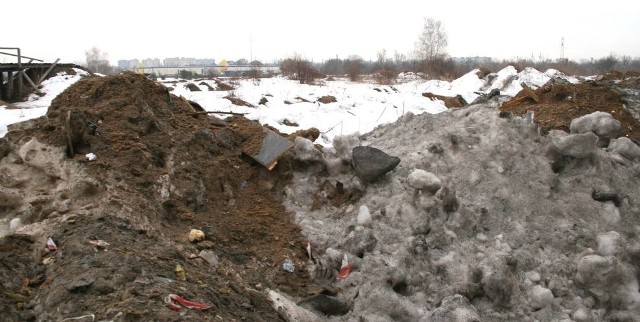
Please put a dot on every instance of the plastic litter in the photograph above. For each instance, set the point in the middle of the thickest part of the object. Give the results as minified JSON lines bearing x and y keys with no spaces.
{"x":289,"y":266}
{"x":90,"y":156}
{"x":345,"y":269}
{"x":182,"y":302}
{"x":180,"y":273}
{"x":51,"y":245}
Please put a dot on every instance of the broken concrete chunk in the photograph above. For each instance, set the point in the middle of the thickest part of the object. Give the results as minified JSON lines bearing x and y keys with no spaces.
{"x":577,"y":145}
{"x":423,"y":180}
{"x":625,"y":147}
{"x":371,"y":164}
{"x":600,"y":123}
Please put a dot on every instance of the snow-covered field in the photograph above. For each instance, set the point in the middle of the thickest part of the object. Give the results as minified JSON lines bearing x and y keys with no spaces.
{"x":359,"y":107}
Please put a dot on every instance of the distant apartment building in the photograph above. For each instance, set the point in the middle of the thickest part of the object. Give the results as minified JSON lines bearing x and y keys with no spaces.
{"x":205,"y":62}
{"x":179,"y":62}
{"x":151,"y":62}
{"x":130,"y":64}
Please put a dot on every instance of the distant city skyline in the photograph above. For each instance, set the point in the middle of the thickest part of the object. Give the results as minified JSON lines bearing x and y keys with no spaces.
{"x":270,"y":31}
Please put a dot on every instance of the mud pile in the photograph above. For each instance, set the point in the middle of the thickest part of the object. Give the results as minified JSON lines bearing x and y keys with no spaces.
{"x":161,"y":170}
{"x":560,"y":102}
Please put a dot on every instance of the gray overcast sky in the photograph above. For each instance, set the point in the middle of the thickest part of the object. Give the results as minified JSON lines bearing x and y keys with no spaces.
{"x":317,"y":30}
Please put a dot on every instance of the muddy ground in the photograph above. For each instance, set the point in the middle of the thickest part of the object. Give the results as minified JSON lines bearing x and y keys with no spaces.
{"x":161,"y":170}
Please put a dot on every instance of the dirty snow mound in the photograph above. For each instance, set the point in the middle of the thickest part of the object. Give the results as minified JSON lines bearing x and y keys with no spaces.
{"x":523,"y":227}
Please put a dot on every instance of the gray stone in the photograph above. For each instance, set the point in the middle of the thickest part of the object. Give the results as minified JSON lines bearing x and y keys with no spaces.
{"x":371,"y":164}
{"x":306,"y":151}
{"x":540,"y":297}
{"x":625,"y":147}
{"x":600,"y":123}
{"x":577,"y":145}
{"x":423,"y":180}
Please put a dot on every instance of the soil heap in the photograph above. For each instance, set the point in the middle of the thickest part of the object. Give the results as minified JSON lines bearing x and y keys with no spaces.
{"x":161,"y":170}
{"x":560,"y":102}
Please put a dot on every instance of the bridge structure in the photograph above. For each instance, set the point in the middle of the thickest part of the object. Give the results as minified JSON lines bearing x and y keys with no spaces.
{"x":25,"y":76}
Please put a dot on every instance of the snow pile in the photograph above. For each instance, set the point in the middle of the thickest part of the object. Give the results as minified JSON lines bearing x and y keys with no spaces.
{"x":37,"y":105}
{"x":523,"y":226}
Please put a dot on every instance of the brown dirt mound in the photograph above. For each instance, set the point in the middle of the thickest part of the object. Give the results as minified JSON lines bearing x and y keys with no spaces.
{"x":561,"y":103}
{"x":162,"y":170}
{"x":327,"y":99}
{"x":193,"y":87}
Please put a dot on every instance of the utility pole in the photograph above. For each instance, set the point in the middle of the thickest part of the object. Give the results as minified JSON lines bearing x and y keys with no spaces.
{"x":562,"y":49}
{"x":250,"y":48}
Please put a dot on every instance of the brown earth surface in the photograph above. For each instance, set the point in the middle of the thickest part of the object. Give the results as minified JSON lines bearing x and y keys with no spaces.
{"x":161,"y":170}
{"x":562,"y":102}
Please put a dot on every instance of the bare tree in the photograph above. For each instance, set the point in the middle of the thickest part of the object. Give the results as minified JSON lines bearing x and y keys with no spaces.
{"x":299,"y":68}
{"x":353,"y":67}
{"x":432,"y":42}
{"x":98,"y":61}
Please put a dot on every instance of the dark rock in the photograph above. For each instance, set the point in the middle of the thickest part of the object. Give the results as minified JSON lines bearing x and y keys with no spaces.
{"x":505,"y":114}
{"x":455,"y":139}
{"x":263,"y":101}
{"x":325,"y":304}
{"x":81,"y":285}
{"x":493,"y":93}
{"x":604,"y":194}
{"x":436,"y":148}
{"x":449,"y":200}
{"x":371,"y":164}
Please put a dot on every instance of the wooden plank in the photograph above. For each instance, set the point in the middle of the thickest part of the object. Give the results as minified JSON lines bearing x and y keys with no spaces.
{"x":14,"y":55}
{"x":48,"y":71}
{"x":30,"y":81}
